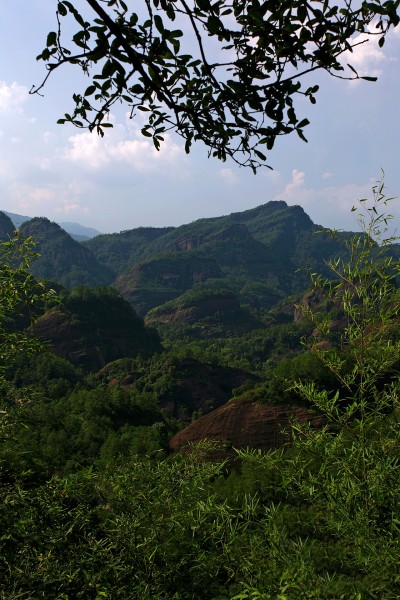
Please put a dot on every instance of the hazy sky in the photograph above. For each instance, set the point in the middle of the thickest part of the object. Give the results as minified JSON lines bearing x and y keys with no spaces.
{"x":120,"y":182}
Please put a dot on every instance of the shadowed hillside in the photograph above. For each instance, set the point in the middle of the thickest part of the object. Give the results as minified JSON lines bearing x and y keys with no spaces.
{"x":63,"y":259}
{"x":6,"y":227}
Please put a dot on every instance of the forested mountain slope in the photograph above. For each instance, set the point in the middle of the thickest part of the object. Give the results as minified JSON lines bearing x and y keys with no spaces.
{"x":92,"y":327}
{"x":119,"y":250}
{"x":63,"y":259}
{"x":286,"y":230}
{"x":6,"y":227}
{"x":262,"y":255}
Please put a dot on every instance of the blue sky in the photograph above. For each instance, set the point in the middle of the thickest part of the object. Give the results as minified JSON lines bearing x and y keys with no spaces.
{"x":120,"y":182}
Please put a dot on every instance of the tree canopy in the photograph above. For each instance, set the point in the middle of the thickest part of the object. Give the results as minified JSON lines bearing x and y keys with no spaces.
{"x":227,"y":72}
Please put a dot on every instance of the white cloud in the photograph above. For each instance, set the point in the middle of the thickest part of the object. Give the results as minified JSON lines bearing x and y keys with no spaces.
{"x":12,"y":97}
{"x":367,"y":58}
{"x":46,"y":200}
{"x":86,"y":149}
{"x":293,"y":186}
{"x":228,"y":176}
{"x":74,"y":208}
{"x":92,"y":151}
{"x":327,"y":174}
{"x":327,"y":204}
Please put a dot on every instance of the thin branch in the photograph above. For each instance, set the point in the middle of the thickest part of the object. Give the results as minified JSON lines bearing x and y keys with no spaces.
{"x":136,"y":59}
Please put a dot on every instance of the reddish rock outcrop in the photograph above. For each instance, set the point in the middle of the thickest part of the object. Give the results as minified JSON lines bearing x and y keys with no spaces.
{"x":241,"y":424}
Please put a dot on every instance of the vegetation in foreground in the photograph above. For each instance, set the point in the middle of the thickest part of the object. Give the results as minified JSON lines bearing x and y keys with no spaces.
{"x":317,"y":519}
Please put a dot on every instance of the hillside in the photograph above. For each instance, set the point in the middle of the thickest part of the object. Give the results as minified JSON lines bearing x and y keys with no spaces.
{"x":6,"y":227}
{"x":212,"y":296}
{"x":93,"y":327}
{"x":63,"y":259}
{"x":203,"y":312}
{"x":120,"y":250}
{"x":243,"y":424}
{"x":261,"y":255}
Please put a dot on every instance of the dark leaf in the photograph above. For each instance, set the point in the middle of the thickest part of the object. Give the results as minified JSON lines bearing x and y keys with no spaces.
{"x":51,"y":39}
{"x":61,"y":9}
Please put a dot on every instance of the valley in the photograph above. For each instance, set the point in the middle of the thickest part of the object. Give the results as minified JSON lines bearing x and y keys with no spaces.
{"x":199,"y":377}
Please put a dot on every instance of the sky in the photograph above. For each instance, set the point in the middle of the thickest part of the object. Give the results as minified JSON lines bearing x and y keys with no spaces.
{"x":120,"y":182}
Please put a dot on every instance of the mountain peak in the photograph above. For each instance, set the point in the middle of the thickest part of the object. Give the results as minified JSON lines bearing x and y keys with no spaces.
{"x":62,"y":258}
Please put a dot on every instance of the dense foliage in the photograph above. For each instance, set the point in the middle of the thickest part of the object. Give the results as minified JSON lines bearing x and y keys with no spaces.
{"x":93,"y":505}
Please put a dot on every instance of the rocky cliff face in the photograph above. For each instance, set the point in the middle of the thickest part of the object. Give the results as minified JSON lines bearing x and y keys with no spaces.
{"x":240,"y":424}
{"x":188,"y":242}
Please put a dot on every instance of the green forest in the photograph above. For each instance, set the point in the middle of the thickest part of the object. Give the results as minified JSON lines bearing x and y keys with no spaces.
{"x":206,"y":412}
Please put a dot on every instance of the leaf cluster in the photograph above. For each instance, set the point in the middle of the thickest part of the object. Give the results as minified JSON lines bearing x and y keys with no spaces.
{"x":237,"y":100}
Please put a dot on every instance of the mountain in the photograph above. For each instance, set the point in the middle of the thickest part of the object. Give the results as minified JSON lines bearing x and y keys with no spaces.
{"x":63,"y":259}
{"x":6,"y":227}
{"x":203,"y":312}
{"x":261,"y":255}
{"x":120,"y":250}
{"x":164,"y":277}
{"x":77,"y":232}
{"x":91,"y":328}
{"x":17,"y":219}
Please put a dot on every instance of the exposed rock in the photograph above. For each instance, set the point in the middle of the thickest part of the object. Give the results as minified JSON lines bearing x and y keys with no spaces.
{"x":312,"y":300}
{"x":188,"y":242}
{"x":315,"y":301}
{"x":241,"y":424}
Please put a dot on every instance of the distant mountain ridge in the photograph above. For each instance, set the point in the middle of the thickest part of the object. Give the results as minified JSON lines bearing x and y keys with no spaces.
{"x":262,"y":255}
{"x":76,"y":230}
{"x":257,"y":258}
